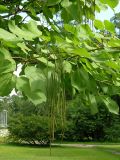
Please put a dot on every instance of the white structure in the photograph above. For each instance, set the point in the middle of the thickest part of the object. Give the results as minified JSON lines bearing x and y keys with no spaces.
{"x":4,"y":132}
{"x":3,"y":119}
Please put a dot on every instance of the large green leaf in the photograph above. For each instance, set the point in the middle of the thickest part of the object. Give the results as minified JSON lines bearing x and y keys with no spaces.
{"x":3,"y":9}
{"x":19,"y":32}
{"x":77,"y":81}
{"x":100,"y":6}
{"x":99,"y":24}
{"x":109,"y":26}
{"x":93,"y":104}
{"x":114,"y":42}
{"x":80,"y":79}
{"x":66,"y":3}
{"x":67,"y":67}
{"x":7,"y":67}
{"x":70,"y":28}
{"x":23,"y":47}
{"x":7,"y":64}
{"x":92,"y":85}
{"x":69,"y":11}
{"x":101,"y":56}
{"x":4,"y":53}
{"x":31,"y":26}
{"x":7,"y":36}
{"x":23,"y":85}
{"x":36,"y":78}
{"x":7,"y":83}
{"x":46,"y":62}
{"x":28,"y":33}
{"x":113,"y":65}
{"x":111,"y":3}
{"x":53,"y":2}
{"x":111,"y":105}
{"x":82,"y":52}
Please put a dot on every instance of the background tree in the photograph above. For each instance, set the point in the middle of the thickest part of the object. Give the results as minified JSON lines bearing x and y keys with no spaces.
{"x":27,"y":123}
{"x":116,"y":20}
{"x":81,"y":125}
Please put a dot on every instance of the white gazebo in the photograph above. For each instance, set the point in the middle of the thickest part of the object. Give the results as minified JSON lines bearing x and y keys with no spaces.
{"x":3,"y":124}
{"x":3,"y":119}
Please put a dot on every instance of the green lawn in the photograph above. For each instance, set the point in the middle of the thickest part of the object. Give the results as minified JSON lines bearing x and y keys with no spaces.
{"x":12,"y":152}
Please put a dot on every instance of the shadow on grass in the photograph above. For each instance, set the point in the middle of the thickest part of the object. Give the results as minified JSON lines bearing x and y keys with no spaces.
{"x":15,"y":144}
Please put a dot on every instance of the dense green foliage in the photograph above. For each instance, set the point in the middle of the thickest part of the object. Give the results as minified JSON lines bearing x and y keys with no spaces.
{"x":30,"y":129}
{"x":81,"y":125}
{"x":63,"y":50}
{"x":26,"y":123}
{"x":67,"y":52}
{"x":29,"y":123}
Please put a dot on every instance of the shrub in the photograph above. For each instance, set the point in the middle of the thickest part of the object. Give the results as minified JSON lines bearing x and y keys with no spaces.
{"x":113,"y":133}
{"x":31,"y":129}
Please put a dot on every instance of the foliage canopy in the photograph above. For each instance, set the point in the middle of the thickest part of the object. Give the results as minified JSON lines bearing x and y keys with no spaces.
{"x":63,"y":50}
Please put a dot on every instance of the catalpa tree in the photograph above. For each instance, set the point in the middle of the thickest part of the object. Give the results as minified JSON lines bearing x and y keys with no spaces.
{"x":64,"y":51}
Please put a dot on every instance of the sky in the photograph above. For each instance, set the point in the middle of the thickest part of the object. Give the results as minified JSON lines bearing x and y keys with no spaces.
{"x":107,"y":14}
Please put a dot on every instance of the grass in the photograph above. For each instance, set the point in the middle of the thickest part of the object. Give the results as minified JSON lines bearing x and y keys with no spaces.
{"x":13,"y":152}
{"x":94,"y":143}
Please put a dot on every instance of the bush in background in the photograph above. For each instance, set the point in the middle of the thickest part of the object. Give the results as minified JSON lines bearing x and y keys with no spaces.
{"x":31,"y":129}
{"x":27,"y":123}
